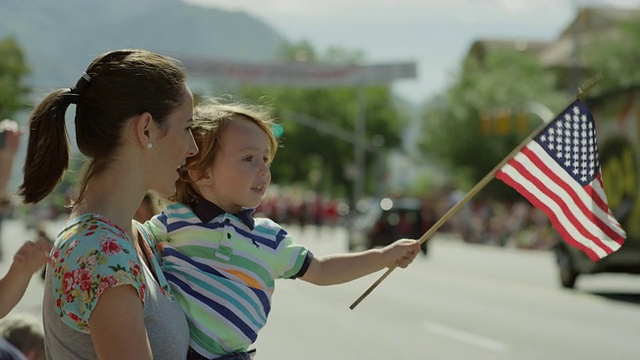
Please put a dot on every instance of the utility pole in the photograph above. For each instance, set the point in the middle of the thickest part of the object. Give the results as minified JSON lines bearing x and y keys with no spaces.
{"x":359,"y":130}
{"x":574,"y":81}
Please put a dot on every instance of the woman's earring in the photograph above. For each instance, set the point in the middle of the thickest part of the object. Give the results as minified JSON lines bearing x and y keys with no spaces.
{"x":149,"y":145}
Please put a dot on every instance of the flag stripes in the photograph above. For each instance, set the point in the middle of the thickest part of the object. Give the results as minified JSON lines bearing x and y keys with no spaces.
{"x":580,"y":214}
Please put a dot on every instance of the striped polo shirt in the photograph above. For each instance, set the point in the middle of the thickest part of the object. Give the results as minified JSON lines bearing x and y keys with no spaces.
{"x":222,"y":268}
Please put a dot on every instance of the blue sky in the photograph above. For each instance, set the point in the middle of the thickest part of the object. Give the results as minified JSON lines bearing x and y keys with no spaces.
{"x":436,"y":34}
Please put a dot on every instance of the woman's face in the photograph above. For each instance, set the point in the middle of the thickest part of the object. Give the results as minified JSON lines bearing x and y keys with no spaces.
{"x":174,"y":147}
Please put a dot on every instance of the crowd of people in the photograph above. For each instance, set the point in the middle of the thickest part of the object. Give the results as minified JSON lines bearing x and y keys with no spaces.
{"x":498,"y":223}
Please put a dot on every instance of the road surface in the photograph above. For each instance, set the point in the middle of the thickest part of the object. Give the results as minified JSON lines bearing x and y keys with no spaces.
{"x":460,"y":302}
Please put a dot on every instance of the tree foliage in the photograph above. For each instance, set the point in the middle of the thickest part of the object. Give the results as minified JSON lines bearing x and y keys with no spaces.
{"x":616,"y":55}
{"x":504,"y":81}
{"x":13,"y":70}
{"x":307,"y":151}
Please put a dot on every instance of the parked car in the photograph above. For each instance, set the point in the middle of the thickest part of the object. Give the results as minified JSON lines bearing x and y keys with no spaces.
{"x":619,"y":150}
{"x":573,"y":262}
{"x":387,"y":220}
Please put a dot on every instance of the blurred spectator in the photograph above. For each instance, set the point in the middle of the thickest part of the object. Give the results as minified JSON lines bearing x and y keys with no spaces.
{"x":9,"y":352}
{"x":25,"y":334}
{"x":9,"y":143}
{"x":147,"y":209}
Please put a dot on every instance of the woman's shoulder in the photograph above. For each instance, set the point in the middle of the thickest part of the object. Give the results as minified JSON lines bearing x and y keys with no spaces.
{"x":91,"y":255}
{"x":89,"y":232}
{"x":91,"y":224}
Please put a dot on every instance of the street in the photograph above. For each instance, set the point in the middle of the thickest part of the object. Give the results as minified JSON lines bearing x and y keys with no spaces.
{"x":460,"y":302}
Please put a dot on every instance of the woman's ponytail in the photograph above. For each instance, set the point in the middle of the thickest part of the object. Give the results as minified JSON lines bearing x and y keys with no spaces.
{"x":48,"y":149}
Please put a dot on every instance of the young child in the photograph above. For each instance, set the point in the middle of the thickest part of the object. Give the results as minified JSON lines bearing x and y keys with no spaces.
{"x":28,"y":259}
{"x":222,"y":262}
{"x":31,"y":256}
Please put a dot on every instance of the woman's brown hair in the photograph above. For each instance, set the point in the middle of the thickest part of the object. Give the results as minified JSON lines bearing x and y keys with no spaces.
{"x":115,"y":87}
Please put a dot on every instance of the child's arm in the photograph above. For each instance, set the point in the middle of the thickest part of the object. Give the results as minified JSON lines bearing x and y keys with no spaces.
{"x":29,"y":259}
{"x":8,"y":150}
{"x":341,"y":268}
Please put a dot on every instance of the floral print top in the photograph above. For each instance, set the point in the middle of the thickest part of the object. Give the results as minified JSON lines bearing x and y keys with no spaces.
{"x":90,"y":255}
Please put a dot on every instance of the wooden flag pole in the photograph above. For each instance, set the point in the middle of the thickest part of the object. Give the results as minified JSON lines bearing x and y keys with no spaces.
{"x":479,"y":186}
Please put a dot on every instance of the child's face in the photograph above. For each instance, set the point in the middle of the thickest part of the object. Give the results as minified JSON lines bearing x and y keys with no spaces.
{"x":240,"y":171}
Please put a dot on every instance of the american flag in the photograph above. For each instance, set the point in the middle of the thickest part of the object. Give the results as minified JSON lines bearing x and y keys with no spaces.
{"x":558,"y":171}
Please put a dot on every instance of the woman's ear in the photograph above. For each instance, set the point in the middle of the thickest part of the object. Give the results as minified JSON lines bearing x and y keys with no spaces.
{"x":143,"y":128}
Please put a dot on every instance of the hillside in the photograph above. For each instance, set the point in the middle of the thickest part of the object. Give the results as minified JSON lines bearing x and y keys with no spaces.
{"x":61,"y":37}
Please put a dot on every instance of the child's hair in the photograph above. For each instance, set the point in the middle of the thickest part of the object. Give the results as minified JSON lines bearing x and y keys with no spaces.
{"x":210,"y":119}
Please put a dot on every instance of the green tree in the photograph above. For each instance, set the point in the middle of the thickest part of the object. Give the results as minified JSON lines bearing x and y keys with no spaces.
{"x":616,"y":55}
{"x":13,"y":70}
{"x":490,"y":90}
{"x":305,"y":150}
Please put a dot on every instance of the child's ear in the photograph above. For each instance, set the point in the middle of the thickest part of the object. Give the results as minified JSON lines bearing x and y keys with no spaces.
{"x":202,"y":178}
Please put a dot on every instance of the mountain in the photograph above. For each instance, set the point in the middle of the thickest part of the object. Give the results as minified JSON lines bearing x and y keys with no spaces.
{"x":60,"y":38}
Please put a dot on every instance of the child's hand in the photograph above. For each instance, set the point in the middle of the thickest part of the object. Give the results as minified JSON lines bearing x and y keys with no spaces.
{"x":12,"y":136}
{"x":32,"y":256}
{"x":401,"y":253}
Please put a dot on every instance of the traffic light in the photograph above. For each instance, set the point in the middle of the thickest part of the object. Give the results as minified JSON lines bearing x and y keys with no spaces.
{"x":522,"y":123}
{"x":503,"y":122}
{"x":485,"y":123}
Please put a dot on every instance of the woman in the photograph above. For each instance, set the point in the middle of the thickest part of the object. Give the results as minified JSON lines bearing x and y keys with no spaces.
{"x":105,"y":296}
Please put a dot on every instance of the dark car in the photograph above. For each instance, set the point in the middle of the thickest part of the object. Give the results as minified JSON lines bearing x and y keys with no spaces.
{"x":387,"y":220}
{"x":619,"y":150}
{"x":573,"y":262}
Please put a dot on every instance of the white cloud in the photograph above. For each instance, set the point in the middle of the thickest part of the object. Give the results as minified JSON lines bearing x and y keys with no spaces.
{"x":340,"y":8}
{"x":434,"y":33}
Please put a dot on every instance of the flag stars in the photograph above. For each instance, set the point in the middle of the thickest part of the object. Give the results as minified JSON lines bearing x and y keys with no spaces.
{"x":571,"y":141}
{"x":576,"y":181}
